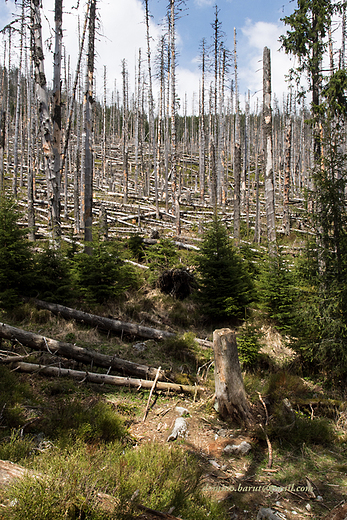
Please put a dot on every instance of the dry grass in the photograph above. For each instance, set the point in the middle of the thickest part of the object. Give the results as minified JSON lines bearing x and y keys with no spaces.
{"x":276,"y":347}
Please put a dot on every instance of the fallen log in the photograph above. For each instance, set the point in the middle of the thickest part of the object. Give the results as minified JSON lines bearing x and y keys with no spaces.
{"x":104,"y":323}
{"x":92,"y":377}
{"x":111,"y":324}
{"x":80,"y":354}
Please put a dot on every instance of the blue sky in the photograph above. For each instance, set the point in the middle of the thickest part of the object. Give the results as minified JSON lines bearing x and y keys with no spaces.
{"x":122,"y":32}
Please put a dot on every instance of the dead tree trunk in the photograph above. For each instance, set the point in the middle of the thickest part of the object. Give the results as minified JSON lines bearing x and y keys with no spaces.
{"x":105,"y":323}
{"x":56,"y":145}
{"x":2,"y":147}
{"x":18,"y":107}
{"x":92,"y":377}
{"x":268,"y":159}
{"x":88,"y":162}
{"x":79,"y":354}
{"x":45,"y":119}
{"x":231,"y":400}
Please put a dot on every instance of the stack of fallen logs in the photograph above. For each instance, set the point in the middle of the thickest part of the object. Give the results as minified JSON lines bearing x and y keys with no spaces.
{"x":133,"y":374}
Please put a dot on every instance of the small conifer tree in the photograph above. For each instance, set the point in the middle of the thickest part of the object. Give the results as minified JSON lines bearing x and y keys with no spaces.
{"x":15,"y":256}
{"x":225,"y":284}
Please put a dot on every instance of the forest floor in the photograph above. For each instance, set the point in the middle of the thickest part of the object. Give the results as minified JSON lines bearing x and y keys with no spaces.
{"x":307,"y":478}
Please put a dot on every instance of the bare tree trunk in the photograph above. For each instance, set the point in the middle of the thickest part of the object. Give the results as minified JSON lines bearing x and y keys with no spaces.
{"x":103,"y":379}
{"x":237,"y":181}
{"x":287,"y":173}
{"x":88,"y":161}
{"x":18,"y":107}
{"x":8,"y":113}
{"x":150,"y":90}
{"x":70,"y":351}
{"x":2,"y":147}
{"x":231,"y":400}
{"x":58,"y":18}
{"x":237,"y":154}
{"x":202,"y":136}
{"x":268,"y":161}
{"x":104,"y":127}
{"x":45,"y":120}
{"x":125,"y":131}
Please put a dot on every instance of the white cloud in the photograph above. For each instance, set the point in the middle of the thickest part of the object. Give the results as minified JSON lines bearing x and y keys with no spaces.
{"x":204,"y":3}
{"x":258,"y":36}
{"x":121,"y":33}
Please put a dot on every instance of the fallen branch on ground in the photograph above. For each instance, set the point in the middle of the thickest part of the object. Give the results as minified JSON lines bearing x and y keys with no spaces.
{"x":70,"y":351}
{"x":92,"y":377}
{"x":111,"y":324}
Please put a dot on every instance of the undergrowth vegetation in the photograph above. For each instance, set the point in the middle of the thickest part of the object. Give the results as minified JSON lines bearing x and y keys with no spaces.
{"x":75,"y":437}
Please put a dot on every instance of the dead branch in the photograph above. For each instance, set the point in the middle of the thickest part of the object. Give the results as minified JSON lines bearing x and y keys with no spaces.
{"x":70,"y":351}
{"x":92,"y":377}
{"x":150,"y":394}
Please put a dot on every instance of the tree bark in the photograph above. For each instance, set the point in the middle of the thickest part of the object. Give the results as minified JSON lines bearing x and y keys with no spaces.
{"x":92,"y":377}
{"x":231,"y":400}
{"x":88,"y":164}
{"x":82,"y":355}
{"x":267,"y":135}
{"x":45,"y":119}
{"x":105,"y":323}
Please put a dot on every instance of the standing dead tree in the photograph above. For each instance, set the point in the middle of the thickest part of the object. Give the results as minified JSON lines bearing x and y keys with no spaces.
{"x":45,"y":119}
{"x":88,"y":160}
{"x":268,"y":159}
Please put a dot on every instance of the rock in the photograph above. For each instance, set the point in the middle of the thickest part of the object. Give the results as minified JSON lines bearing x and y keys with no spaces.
{"x":140,"y":347}
{"x":238,"y":449}
{"x":180,"y":429}
{"x":267,"y":514}
{"x":181,"y":411}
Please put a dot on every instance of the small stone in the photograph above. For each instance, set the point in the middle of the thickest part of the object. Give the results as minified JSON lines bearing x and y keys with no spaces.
{"x":181,"y":411}
{"x":308,"y":507}
{"x":267,"y":514}
{"x":140,"y":347}
{"x":180,"y":429}
{"x":319,"y":498}
{"x":238,"y":449}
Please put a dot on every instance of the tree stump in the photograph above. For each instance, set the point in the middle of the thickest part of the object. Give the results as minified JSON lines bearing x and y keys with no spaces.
{"x":231,"y":400}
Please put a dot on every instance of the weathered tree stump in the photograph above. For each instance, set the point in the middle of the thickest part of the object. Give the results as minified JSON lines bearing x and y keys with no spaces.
{"x":231,"y":400}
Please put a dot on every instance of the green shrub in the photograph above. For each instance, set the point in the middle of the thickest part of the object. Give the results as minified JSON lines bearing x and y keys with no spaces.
{"x":52,"y":276}
{"x":136,"y":246}
{"x":225,"y":285}
{"x":277,"y":292}
{"x":248,"y":347}
{"x":87,"y":421}
{"x":98,"y":484}
{"x":16,"y":274}
{"x":12,"y":394}
{"x":160,"y":257}
{"x":102,"y":276}
{"x":16,"y":448}
{"x":301,"y":430}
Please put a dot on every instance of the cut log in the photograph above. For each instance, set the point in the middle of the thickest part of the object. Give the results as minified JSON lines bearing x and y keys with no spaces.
{"x":104,"y":323}
{"x":106,"y":379}
{"x":80,"y":354}
{"x":231,"y":400}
